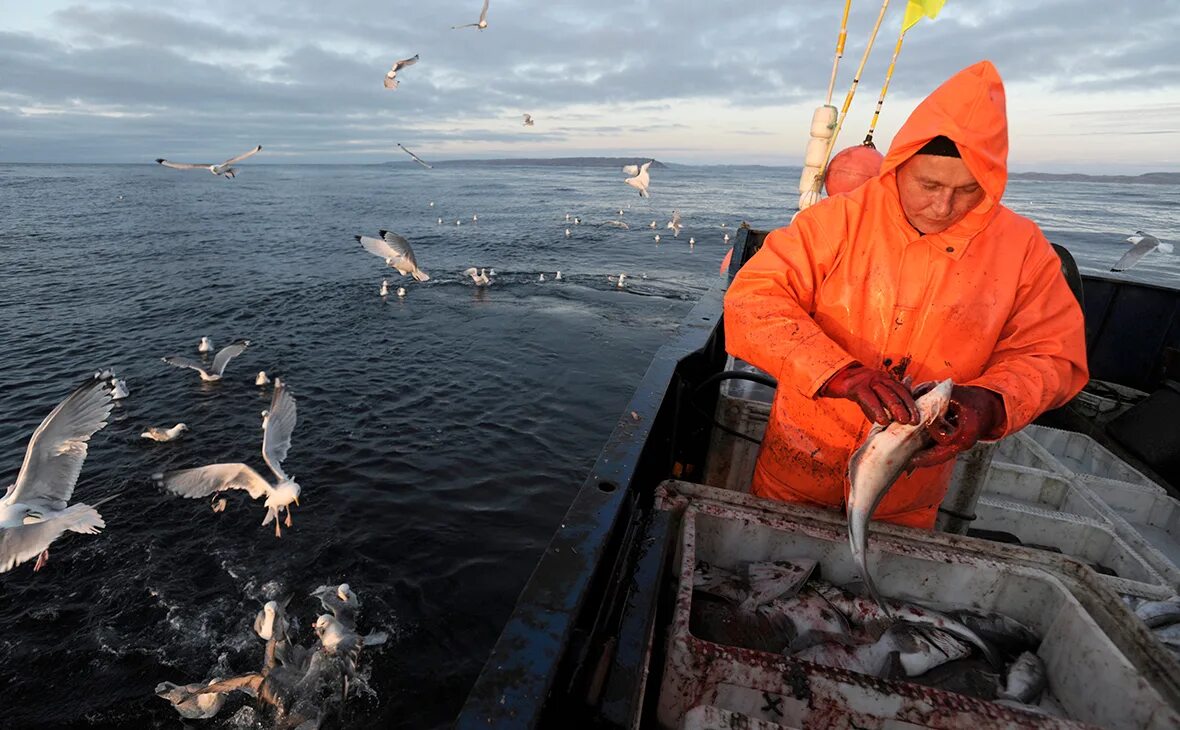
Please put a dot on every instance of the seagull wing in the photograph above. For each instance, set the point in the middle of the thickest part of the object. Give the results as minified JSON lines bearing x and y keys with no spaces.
{"x":227,"y":353}
{"x":399,"y":246}
{"x":631,"y":170}
{"x":58,"y":447}
{"x":24,"y":542}
{"x":378,"y":247}
{"x":483,"y":14}
{"x":181,"y":165}
{"x":184,"y":362}
{"x":675,"y":218}
{"x":1146,"y":245}
{"x":416,"y":157}
{"x":248,"y":683}
{"x":280,"y":423}
{"x":204,"y":481}
{"x":398,"y":65}
{"x":241,"y":157}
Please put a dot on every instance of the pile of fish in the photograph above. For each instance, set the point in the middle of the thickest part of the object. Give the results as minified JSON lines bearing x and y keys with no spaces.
{"x":1162,"y":617}
{"x":784,"y":607}
{"x":301,"y":683}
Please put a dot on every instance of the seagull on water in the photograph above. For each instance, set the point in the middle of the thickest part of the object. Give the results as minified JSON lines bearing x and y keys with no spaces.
{"x":204,"y":481}
{"x":35,"y":509}
{"x":541,"y":277}
{"x":726,"y":239}
{"x":479,"y":277}
{"x":440,"y":221}
{"x":224,"y":168}
{"x":401,"y":292}
{"x":205,"y":346}
{"x":397,"y":254}
{"x":567,"y":233}
{"x":657,"y":238}
{"x":528,"y":120}
{"x":391,"y":81}
{"x":675,"y":224}
{"x":652,"y":225}
{"x":190,"y":705}
{"x":483,"y":19}
{"x":220,"y":360}
{"x":120,"y":391}
{"x":156,"y":433}
{"x":384,"y":287}
{"x":261,"y":379}
{"x":1141,"y":245}
{"x":641,"y":180}
{"x":618,"y":280}
{"x":558,"y":277}
{"x":691,"y":240}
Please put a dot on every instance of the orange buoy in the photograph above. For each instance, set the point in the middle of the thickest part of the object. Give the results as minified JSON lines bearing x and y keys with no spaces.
{"x":851,"y":167}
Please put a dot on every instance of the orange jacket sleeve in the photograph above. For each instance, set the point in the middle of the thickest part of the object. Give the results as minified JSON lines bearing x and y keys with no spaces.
{"x":769,"y":304}
{"x":1040,"y":361}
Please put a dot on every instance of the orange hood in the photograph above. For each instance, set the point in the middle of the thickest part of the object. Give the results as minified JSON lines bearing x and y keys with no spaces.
{"x":969,"y":109}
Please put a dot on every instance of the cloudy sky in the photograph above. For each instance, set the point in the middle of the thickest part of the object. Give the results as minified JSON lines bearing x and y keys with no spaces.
{"x":1093,"y":85}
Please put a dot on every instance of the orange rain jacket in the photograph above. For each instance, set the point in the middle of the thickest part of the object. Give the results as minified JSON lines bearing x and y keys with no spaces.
{"x":984,"y":303}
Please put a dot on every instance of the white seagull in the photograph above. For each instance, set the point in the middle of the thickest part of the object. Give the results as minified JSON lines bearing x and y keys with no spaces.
{"x":205,"y":346}
{"x":35,"y":510}
{"x":483,"y":19}
{"x":220,"y":360}
{"x":1141,"y":245}
{"x":630,"y":169}
{"x":558,"y":277}
{"x":397,"y":253}
{"x":385,"y":287}
{"x":674,"y":224}
{"x":223,"y":168}
{"x":417,"y":159}
{"x":277,"y":425}
{"x":391,"y":81}
{"x":261,"y":379}
{"x":192,"y":706}
{"x":541,"y":277}
{"x":641,"y":180}
{"x":652,"y":225}
{"x":155,"y":433}
{"x":657,"y":238}
{"x":479,"y":277}
{"x":567,"y":233}
{"x":528,"y":120}
{"x":401,"y":292}
{"x":618,"y":280}
{"x":121,"y":391}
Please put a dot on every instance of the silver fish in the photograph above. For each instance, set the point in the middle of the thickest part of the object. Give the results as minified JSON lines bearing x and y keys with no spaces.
{"x":1159,"y":613}
{"x":1026,"y":679}
{"x":904,"y":650}
{"x":1003,"y":632}
{"x":877,"y":464}
{"x":721,"y":622}
{"x":776,"y":579}
{"x":720,"y":582}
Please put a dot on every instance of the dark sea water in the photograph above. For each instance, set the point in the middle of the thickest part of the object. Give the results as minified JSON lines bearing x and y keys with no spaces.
{"x":440,"y":437}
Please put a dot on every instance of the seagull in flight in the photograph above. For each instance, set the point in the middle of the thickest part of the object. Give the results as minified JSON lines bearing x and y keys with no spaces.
{"x":278,"y":423}
{"x":417,"y":159}
{"x":641,"y":180}
{"x":220,"y":360}
{"x":397,"y":254}
{"x":674,"y":224}
{"x":35,"y":510}
{"x":224,"y":168}
{"x":1141,"y":245}
{"x":391,"y":81}
{"x":528,"y":120}
{"x":483,"y":19}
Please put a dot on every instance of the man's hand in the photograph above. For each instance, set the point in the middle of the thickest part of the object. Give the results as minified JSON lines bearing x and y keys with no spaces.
{"x":973,"y":413}
{"x":879,"y":395}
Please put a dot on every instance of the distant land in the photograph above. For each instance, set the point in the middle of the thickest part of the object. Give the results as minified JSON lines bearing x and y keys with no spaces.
{"x":548,"y":162}
{"x":1150,"y":178}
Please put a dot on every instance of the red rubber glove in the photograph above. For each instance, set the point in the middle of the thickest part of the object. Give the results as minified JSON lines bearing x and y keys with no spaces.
{"x":974,"y":413}
{"x":881,"y":396}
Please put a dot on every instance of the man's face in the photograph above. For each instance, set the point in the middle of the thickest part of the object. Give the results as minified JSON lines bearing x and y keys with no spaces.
{"x":936,"y":192}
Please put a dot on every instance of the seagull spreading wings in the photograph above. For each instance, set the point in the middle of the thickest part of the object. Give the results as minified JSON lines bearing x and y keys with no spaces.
{"x":1141,"y":245}
{"x":528,"y":120}
{"x":220,"y":360}
{"x":343,"y":603}
{"x":417,"y":159}
{"x":641,"y":180}
{"x":277,"y":425}
{"x":222,"y":169}
{"x":35,"y":510}
{"x":479,"y":277}
{"x":483,"y":19}
{"x":391,"y":81}
{"x":674,"y":224}
{"x":396,"y":251}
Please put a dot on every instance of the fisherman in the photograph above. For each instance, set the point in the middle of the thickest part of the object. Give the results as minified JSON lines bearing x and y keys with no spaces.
{"x":918,"y":275}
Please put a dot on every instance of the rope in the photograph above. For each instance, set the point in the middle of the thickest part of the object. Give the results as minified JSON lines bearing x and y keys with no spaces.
{"x":851,"y":92}
{"x":884,"y":88}
{"x":839,"y":50}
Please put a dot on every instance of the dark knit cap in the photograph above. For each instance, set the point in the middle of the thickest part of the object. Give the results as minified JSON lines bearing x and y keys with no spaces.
{"x":940,"y":146}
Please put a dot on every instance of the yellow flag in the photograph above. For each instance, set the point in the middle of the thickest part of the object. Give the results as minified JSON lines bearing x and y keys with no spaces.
{"x":915,"y":9}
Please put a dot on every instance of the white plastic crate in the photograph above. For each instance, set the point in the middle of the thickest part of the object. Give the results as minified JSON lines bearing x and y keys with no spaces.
{"x":1092,"y":540}
{"x":707,"y":717}
{"x":1021,"y":450}
{"x":1152,"y":521}
{"x":1039,"y":488}
{"x":1082,"y":455}
{"x":1093,"y":680}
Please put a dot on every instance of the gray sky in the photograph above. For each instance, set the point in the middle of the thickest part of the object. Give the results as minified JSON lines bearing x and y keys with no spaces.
{"x":1093,"y":85}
